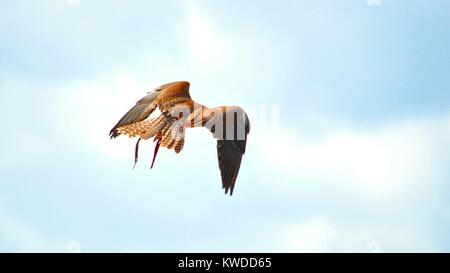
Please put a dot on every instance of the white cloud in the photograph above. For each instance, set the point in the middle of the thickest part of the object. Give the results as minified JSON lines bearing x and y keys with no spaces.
{"x":373,"y":2}
{"x":96,"y":109}
{"x":310,"y":236}
{"x":322,"y":235}
{"x":378,"y":160}
{"x":394,"y":174}
{"x":73,"y":2}
{"x":21,"y":236}
{"x":209,"y":51}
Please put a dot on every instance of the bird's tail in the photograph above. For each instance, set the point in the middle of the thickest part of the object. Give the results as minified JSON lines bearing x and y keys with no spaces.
{"x":170,"y":137}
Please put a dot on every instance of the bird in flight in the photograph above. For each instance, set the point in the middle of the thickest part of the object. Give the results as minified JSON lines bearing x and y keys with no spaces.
{"x":228,"y":124}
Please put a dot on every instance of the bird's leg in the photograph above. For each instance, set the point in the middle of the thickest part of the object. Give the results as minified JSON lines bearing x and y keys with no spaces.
{"x":155,"y":152}
{"x":136,"y":153}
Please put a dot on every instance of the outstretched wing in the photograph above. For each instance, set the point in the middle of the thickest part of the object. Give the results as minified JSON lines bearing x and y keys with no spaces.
{"x":147,"y":128}
{"x":138,"y":113}
{"x":145,"y":106}
{"x":229,"y":153}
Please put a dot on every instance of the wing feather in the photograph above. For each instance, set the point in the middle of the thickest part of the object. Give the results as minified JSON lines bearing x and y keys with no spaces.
{"x":163,"y":97}
{"x":138,"y":113}
{"x":229,"y":153}
{"x":229,"y":163}
{"x":147,"y":128}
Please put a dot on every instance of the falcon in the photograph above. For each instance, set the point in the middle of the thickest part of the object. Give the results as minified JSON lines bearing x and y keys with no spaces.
{"x":228,"y":124}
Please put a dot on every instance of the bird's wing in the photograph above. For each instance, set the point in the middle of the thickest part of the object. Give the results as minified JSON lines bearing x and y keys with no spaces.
{"x":160,"y":96}
{"x":147,"y":128}
{"x":230,"y":157}
{"x":142,"y":110}
{"x":165,"y":128}
{"x":229,"y":153}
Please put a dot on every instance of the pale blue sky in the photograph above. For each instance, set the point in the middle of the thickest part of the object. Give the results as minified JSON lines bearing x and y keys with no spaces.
{"x":360,"y":161}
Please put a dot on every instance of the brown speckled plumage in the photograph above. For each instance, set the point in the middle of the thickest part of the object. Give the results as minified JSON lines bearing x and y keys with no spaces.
{"x":178,"y":112}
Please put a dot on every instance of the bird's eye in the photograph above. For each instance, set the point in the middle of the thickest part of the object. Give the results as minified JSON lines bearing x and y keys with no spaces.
{"x":212,"y":114}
